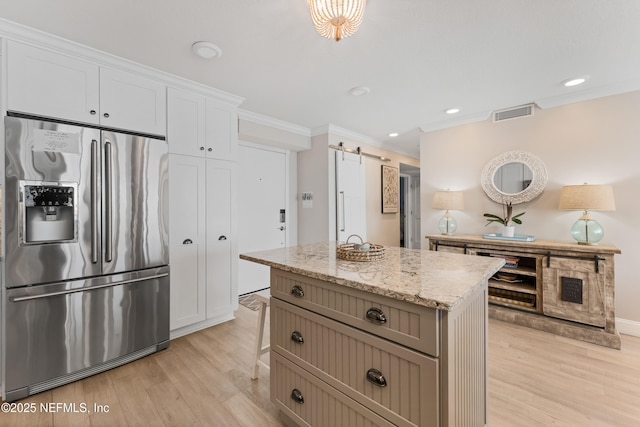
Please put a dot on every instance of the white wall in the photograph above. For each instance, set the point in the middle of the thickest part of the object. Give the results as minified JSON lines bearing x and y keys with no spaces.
{"x":595,"y":141}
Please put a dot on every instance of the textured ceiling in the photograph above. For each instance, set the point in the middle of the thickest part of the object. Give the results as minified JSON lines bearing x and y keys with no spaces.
{"x":418,"y":57}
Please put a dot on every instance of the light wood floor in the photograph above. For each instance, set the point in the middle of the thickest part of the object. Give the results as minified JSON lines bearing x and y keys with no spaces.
{"x":535,"y":379}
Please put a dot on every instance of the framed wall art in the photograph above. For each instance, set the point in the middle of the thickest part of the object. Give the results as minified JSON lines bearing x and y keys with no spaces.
{"x":390,"y":189}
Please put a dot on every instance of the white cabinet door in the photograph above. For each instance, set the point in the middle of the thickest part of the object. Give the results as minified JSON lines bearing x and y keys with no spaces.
{"x":132,"y":102}
{"x":187,"y":233}
{"x":222,"y":131}
{"x":49,"y":84}
{"x":201,"y":126}
{"x":222,"y":248}
{"x":186,"y":125}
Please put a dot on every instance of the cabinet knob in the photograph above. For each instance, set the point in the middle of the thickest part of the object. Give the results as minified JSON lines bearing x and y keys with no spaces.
{"x":187,"y":242}
{"x":296,"y":396}
{"x":92,"y":112}
{"x":376,"y":315}
{"x":374,"y":376}
{"x":201,"y":148}
{"x":297,"y":337}
{"x":297,"y":291}
{"x":106,"y":115}
{"x":209,"y":149}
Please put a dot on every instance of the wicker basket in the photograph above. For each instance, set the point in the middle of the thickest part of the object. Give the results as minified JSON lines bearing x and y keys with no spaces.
{"x":353,"y":252}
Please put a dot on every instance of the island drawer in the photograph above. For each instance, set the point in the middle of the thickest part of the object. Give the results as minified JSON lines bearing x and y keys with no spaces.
{"x":408,"y":324}
{"x":310,"y":402}
{"x":398,"y":383}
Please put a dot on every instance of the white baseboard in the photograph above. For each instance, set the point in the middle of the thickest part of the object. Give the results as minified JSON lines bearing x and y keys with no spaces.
{"x":224,"y":317}
{"x":628,"y":327}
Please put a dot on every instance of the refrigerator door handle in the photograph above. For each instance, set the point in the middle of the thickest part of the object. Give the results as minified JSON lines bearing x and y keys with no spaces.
{"x":94,"y":201}
{"x":90,"y":288}
{"x":108,"y":202}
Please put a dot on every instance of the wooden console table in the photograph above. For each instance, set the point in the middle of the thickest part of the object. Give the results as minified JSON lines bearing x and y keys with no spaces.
{"x":563,"y":288}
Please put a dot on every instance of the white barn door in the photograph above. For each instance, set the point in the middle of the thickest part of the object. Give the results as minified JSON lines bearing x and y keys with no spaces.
{"x":351,"y":214}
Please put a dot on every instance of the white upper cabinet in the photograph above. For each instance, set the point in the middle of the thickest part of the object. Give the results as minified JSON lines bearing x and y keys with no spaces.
{"x":132,"y":102}
{"x":46,"y":83}
{"x":201,"y":126}
{"x":186,"y":124}
{"x":222,"y":131}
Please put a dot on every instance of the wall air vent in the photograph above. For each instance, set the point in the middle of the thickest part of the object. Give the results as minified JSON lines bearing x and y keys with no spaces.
{"x":514,"y":113}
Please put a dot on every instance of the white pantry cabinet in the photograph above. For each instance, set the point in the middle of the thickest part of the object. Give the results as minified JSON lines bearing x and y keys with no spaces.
{"x":201,"y":126}
{"x":187,"y":236}
{"x":204,"y":251}
{"x":50,"y":84}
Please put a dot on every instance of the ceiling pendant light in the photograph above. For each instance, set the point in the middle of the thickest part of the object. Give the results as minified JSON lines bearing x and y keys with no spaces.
{"x":335,"y":19}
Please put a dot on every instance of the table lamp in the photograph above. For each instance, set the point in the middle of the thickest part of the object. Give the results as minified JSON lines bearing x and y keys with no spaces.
{"x":587,"y":231}
{"x":448,"y":200}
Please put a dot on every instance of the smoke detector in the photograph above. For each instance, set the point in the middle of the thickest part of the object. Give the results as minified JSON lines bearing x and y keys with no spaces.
{"x":206,"y":50}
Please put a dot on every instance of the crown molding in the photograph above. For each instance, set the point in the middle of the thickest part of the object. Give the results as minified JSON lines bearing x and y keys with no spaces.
{"x":587,"y":94}
{"x":274,"y":123}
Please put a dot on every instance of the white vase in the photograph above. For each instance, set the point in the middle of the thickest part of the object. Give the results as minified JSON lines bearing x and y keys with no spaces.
{"x":509,"y":231}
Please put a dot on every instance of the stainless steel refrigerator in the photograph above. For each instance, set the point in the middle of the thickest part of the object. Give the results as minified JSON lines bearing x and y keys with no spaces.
{"x":86,"y":252}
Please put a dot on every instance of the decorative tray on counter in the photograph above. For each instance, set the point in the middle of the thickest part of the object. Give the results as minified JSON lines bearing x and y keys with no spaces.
{"x":363,"y":251}
{"x":516,"y":238}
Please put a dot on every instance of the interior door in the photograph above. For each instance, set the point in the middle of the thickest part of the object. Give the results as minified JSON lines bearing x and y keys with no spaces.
{"x":262,"y":197}
{"x":351,"y":196}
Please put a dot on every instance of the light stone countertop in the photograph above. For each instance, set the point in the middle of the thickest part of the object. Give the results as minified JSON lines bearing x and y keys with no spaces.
{"x":432,"y":279}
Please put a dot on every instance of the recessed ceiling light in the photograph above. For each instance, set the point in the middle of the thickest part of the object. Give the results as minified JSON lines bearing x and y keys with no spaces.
{"x":393,"y":134}
{"x":206,"y":50}
{"x":574,"y":82}
{"x":452,"y":111}
{"x":359,"y":91}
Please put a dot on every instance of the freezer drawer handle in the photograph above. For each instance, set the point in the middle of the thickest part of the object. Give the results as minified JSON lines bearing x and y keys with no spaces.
{"x":374,"y":376}
{"x":92,"y":288}
{"x":376,"y":315}
{"x":187,"y":242}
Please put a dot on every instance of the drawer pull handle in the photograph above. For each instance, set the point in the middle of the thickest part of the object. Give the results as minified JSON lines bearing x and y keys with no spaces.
{"x":187,"y":242}
{"x":375,"y":315}
{"x":297,"y":337}
{"x":374,"y":376}
{"x":297,"y":291}
{"x":296,"y":395}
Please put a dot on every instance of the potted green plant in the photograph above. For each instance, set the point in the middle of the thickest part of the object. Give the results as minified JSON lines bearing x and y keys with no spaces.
{"x":506,"y":218}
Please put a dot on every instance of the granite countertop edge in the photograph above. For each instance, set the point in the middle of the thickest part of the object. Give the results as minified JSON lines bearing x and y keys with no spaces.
{"x":447,"y":303}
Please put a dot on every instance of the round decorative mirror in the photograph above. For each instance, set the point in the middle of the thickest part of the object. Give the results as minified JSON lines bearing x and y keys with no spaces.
{"x":514,"y":177}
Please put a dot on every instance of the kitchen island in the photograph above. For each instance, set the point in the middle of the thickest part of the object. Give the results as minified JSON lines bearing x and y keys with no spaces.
{"x":396,"y":341}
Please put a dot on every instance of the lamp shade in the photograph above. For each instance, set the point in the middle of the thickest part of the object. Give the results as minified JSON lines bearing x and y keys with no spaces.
{"x":448,"y":200}
{"x":587,"y":198}
{"x":336,"y":18}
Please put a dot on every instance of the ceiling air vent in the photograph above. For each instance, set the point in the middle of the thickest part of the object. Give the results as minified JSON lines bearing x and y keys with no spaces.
{"x":513,"y":113}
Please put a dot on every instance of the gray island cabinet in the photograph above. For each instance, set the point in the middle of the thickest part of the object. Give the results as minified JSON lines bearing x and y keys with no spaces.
{"x":398,"y":341}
